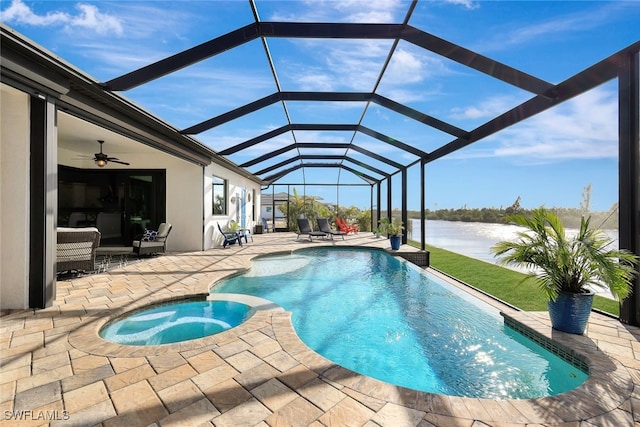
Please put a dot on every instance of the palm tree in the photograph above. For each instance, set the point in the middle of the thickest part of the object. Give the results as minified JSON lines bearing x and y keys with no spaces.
{"x":567,"y":264}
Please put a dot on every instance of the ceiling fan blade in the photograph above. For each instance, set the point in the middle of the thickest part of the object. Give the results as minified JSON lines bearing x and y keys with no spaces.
{"x":105,"y":157}
{"x":114,"y":159}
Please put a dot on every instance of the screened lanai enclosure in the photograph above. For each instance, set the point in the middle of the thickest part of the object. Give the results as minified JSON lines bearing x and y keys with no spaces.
{"x":370,"y":133}
{"x":367,"y":137}
{"x":339,"y":110}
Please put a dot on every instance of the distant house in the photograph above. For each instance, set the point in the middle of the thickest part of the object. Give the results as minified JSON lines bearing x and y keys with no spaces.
{"x":273,"y":208}
{"x":271,"y":205}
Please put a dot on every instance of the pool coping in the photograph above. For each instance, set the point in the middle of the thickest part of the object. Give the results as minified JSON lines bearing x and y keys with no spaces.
{"x":539,"y":410}
{"x":606,"y":390}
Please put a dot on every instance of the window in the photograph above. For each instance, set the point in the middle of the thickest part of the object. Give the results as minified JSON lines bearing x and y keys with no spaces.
{"x":219,"y":196}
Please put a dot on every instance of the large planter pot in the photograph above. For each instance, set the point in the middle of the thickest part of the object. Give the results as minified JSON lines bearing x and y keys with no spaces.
{"x":570,"y":312}
{"x":395,"y":242}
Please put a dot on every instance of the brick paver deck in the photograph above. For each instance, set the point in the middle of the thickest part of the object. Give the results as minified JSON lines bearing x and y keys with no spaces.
{"x":54,"y":365}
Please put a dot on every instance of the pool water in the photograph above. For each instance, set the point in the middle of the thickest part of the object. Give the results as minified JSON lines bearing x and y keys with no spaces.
{"x":383,"y":317}
{"x":176,"y":322}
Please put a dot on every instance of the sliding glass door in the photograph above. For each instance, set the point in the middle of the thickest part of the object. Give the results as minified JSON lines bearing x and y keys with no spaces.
{"x":120,"y":203}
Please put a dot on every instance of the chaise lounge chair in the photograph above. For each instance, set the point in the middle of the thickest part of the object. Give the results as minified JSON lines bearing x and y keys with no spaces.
{"x":305,"y":228}
{"x":325,"y":227}
{"x":229,"y":237}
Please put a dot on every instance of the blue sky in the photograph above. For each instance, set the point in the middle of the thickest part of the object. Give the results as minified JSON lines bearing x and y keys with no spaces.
{"x":546,"y":160}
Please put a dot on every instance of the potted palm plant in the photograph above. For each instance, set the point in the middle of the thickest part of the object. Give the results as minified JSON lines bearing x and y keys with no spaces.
{"x":567,"y":269}
{"x":393,"y":228}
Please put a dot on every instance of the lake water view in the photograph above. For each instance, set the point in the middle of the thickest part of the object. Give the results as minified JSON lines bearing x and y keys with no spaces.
{"x":472,"y":239}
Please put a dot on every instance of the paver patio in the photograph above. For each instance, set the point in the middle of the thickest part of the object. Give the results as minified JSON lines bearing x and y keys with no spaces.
{"x":53,"y":364}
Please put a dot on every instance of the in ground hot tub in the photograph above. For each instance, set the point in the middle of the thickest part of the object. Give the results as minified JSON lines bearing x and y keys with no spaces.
{"x":176,"y":322}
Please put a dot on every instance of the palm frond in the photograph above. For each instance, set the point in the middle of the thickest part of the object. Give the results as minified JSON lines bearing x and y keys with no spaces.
{"x":567,"y":264}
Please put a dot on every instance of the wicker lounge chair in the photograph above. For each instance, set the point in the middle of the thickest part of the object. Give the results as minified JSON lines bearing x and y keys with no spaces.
{"x":305,"y":228}
{"x":325,"y":227}
{"x":76,"y":249}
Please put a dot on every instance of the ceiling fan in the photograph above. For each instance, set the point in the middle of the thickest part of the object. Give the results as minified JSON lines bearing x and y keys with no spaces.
{"x":102,"y":159}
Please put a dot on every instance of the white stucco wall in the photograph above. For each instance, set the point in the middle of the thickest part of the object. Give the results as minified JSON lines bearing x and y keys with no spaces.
{"x":14,"y":198}
{"x":236,"y":183}
{"x":184,"y":205}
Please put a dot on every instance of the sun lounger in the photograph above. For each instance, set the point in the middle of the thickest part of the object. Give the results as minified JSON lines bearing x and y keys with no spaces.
{"x":325,"y":227}
{"x":305,"y":228}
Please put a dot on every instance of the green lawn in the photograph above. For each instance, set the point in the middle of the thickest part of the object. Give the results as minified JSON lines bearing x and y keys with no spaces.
{"x":500,"y":282}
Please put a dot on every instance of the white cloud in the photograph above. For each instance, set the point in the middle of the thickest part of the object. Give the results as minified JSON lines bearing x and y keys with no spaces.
{"x":221,"y":141}
{"x":408,"y":95}
{"x":380,"y":147}
{"x":92,"y":19}
{"x":18,"y":12}
{"x":370,"y":11}
{"x":468,"y":4}
{"x":486,"y":109}
{"x":315,"y":80}
{"x":117,"y":59}
{"x":210,"y":85}
{"x":329,"y":65}
{"x":87,"y":18}
{"x":408,"y":69}
{"x":560,"y":26}
{"x":343,"y":11}
{"x":583,"y":128}
{"x":323,"y":136}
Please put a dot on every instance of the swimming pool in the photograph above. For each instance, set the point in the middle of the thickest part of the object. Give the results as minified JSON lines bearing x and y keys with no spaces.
{"x":176,"y":321}
{"x":383,"y":317}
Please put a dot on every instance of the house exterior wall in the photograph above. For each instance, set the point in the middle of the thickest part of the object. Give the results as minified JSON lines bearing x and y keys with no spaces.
{"x":189,"y":205}
{"x":183,"y":192}
{"x":14,"y":198}
{"x":236,"y":184}
{"x":184,"y":205}
{"x":267,"y":212}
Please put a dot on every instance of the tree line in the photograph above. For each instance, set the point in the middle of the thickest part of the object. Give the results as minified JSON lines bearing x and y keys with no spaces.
{"x":310,"y":207}
{"x":569,"y":216}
